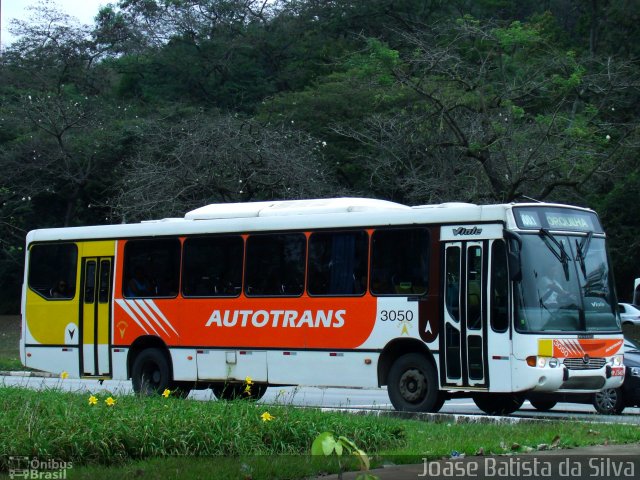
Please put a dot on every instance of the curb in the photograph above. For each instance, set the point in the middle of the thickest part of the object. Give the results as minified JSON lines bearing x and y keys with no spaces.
{"x":454,"y":418}
{"x":27,"y":373}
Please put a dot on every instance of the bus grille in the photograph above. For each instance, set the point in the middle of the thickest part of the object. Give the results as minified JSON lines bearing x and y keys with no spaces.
{"x":579,"y":364}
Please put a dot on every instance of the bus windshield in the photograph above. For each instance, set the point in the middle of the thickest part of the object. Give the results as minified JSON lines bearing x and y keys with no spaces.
{"x":566,"y":285}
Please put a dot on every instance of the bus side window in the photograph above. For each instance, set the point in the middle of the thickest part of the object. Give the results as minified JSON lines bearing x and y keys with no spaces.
{"x":499,"y":287}
{"x":399,"y":261}
{"x":212,"y":266}
{"x":338,"y":263}
{"x":275,"y":265}
{"x":52,"y":270}
{"x":151,"y":268}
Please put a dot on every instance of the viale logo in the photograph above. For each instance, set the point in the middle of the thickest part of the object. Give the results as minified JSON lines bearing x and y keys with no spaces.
{"x":466,"y":231}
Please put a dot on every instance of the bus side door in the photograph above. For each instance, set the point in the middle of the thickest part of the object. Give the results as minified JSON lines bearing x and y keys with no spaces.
{"x":464,"y":340}
{"x":96,"y":287}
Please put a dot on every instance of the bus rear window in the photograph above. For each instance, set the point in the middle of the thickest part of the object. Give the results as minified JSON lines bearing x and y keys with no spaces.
{"x":52,"y":270}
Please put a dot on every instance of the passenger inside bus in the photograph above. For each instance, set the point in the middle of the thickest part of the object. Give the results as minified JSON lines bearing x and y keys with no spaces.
{"x":139,"y":285}
{"x":59,"y":290}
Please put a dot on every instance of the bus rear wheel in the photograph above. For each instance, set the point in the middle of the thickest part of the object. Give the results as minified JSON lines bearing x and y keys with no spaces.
{"x":498,"y":403}
{"x":151,"y":373}
{"x":413,"y":385}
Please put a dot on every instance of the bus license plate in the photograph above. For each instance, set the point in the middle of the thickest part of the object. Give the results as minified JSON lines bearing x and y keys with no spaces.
{"x":617,"y":371}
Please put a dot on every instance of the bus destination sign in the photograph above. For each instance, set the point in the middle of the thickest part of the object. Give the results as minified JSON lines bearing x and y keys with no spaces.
{"x":553,"y":218}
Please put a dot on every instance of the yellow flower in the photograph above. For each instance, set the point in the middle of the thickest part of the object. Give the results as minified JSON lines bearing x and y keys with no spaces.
{"x":267,"y":417}
{"x":248,"y":381}
{"x":93,"y":400}
{"x":166,"y":393}
{"x":64,"y":375}
{"x":110,"y":401}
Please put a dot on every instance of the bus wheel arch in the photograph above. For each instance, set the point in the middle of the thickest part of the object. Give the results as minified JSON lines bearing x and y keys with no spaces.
{"x":150,"y":367}
{"x":141,"y":344}
{"x":409,"y":370}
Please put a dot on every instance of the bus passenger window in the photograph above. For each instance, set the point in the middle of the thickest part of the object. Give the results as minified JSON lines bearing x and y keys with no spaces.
{"x":400,"y":261}
{"x":499,"y":287}
{"x":338,"y":263}
{"x":212,"y":266}
{"x":474,"y":289}
{"x":275,"y":265}
{"x":151,"y":268}
{"x":452,"y":282}
{"x":52,"y":270}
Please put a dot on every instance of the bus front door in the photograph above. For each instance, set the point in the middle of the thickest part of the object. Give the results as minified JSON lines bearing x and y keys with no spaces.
{"x":95,"y":316}
{"x":464,"y":362}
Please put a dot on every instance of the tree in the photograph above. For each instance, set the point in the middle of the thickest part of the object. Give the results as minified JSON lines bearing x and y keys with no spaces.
{"x":505,"y":110}
{"x":204,"y":159}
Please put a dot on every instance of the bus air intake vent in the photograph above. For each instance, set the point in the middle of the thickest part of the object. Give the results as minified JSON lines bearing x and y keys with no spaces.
{"x":580,"y":364}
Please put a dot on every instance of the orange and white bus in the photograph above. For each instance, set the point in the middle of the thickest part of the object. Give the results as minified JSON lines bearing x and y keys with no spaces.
{"x":433,"y":302}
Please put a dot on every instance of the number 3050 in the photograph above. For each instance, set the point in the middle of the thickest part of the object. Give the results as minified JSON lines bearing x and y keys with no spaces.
{"x":396,"y":315}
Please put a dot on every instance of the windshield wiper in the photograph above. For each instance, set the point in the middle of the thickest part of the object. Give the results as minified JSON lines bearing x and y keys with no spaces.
{"x":583,"y":248}
{"x":562,"y":257}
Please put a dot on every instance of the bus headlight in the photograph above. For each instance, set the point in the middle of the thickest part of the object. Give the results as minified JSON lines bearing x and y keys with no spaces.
{"x":542,"y":362}
{"x":634,"y":371}
{"x":616,"y":361}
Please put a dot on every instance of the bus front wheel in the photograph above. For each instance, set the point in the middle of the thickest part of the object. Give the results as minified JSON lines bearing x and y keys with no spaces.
{"x":413,"y":384}
{"x":543,"y":405}
{"x":498,"y":403}
{"x":151,"y":373}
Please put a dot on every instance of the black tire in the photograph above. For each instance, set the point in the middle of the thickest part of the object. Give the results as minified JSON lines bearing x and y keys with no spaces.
{"x":543,"y":405}
{"x":498,"y":403}
{"x":233,"y":391}
{"x":151,"y":373}
{"x":413,"y":384}
{"x":609,"y":401}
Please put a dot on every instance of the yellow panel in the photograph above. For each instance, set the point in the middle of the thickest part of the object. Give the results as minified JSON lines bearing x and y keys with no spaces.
{"x":545,"y":348}
{"x":49,"y":321}
{"x":104,"y":248}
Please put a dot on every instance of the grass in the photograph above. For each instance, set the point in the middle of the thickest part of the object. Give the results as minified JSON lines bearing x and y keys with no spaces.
{"x":64,"y":425}
{"x":10,"y":343}
{"x":173,"y":438}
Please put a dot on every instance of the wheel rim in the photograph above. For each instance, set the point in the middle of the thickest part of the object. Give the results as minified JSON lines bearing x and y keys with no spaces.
{"x":151,"y":377}
{"x":413,"y":385}
{"x":607,"y":399}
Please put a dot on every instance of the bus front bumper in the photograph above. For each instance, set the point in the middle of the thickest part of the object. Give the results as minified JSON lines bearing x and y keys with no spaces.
{"x":563,"y":379}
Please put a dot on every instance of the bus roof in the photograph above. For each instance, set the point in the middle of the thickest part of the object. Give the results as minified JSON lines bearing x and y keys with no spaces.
{"x":288,"y":215}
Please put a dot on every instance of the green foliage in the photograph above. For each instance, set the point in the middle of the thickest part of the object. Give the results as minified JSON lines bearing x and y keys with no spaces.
{"x":66,"y":425}
{"x":516,"y":35}
{"x":327,"y":444}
